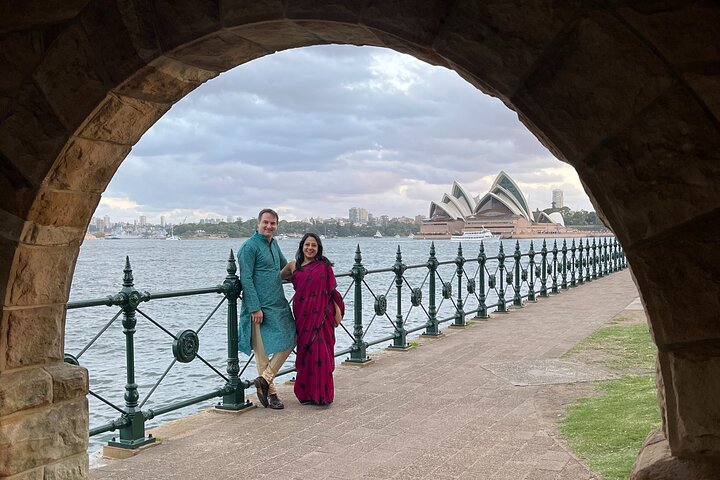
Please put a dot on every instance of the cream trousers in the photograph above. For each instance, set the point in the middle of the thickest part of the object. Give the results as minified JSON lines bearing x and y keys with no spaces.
{"x":267,"y":367}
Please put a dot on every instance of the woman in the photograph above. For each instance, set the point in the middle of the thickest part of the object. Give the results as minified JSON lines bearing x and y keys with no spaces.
{"x":314,"y":281}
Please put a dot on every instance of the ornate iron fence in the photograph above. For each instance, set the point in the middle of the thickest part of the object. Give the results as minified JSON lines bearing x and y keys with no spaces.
{"x":424,"y":296}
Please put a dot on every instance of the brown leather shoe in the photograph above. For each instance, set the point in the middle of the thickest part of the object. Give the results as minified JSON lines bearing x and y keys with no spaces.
{"x":275,"y":403}
{"x":262,"y":387}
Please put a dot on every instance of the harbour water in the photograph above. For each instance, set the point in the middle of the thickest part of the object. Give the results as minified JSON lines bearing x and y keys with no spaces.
{"x":160,"y":266}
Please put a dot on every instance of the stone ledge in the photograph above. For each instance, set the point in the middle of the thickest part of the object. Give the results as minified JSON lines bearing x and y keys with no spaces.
{"x":655,"y":462}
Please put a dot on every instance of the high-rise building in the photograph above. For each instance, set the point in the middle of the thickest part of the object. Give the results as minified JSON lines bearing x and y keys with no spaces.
{"x":162,"y":221}
{"x":106,"y":221}
{"x":358,"y":215}
{"x":143,"y":220}
{"x":557,"y":199}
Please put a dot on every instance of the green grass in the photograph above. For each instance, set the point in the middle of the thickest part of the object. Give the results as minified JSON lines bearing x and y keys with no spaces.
{"x":621,"y":348}
{"x":607,"y":431}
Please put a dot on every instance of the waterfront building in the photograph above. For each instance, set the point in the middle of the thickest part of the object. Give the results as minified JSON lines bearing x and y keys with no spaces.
{"x":503,"y":210}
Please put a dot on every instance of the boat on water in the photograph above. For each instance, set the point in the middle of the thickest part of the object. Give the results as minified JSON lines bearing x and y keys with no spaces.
{"x":474,"y":236}
{"x":122,"y":236}
{"x":377,"y":234}
{"x":172,"y":235}
{"x":411,"y":236}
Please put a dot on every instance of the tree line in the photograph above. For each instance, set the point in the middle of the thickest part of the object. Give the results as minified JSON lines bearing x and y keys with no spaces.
{"x":243,"y":229}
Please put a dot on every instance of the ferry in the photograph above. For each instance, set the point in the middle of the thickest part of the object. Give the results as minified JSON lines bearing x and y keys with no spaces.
{"x":474,"y":236}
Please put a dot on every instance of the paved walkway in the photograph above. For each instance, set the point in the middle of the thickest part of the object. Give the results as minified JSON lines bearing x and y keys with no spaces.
{"x":479,"y":403}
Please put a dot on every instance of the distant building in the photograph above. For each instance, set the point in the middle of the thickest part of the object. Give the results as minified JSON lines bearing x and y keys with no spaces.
{"x":358,"y":215}
{"x":106,"y":221}
{"x":419,"y":219}
{"x":503,"y":210}
{"x":143,"y":220}
{"x":162,"y":221}
{"x":557,"y":199}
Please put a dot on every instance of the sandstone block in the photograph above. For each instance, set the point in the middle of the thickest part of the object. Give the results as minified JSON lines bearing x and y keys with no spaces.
{"x":63,"y":209}
{"x":152,"y":84}
{"x":72,"y":76}
{"x":69,"y":381}
{"x":655,"y":462}
{"x":87,"y":165}
{"x":122,"y":120}
{"x":20,"y":52}
{"x":219,"y":51}
{"x":178,"y":23}
{"x":31,"y":137}
{"x":653,"y":176}
{"x":678,"y":318}
{"x":41,"y":275}
{"x":327,"y":32}
{"x":332,"y":10}
{"x":70,"y":468}
{"x":488,"y":38}
{"x":24,"y":389}
{"x":43,"y":436}
{"x":694,"y":430}
{"x":239,"y":12}
{"x":414,"y":22}
{"x":34,"y":474}
{"x":294,"y":35}
{"x":577,"y":111}
{"x":34,"y":335}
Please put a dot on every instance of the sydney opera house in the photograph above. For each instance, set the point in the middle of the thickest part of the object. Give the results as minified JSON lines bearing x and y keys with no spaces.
{"x":503,"y":210}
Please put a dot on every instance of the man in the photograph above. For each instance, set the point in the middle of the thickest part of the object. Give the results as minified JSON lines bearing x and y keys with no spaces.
{"x":266,"y":321}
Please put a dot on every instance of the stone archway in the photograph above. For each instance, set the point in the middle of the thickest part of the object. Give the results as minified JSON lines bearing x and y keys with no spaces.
{"x":629,"y":95}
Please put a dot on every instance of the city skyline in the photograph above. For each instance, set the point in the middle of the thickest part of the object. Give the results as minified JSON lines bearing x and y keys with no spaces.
{"x":316,"y":131}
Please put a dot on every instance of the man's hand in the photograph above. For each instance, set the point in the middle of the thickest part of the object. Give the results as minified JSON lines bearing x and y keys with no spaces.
{"x":257,"y":317}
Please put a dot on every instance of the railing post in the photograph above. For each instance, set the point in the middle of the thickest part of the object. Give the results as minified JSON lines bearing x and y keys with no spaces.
{"x":359,"y":352}
{"x":502,"y":307}
{"x":234,"y":399}
{"x":532,"y":273}
{"x":554,"y":287}
{"x":432,"y":329}
{"x":543,"y":273}
{"x":594,"y":260}
{"x":573,"y":283}
{"x":606,"y":257}
{"x":588,"y":261}
{"x":581,"y":277}
{"x":564,"y":284}
{"x":482,"y":259}
{"x":615,"y":256}
{"x":517,"y":298}
{"x":400,"y":340}
{"x":459,"y":271}
{"x":133,"y":434}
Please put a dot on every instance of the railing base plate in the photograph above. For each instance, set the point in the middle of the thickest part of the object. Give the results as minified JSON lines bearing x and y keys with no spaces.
{"x":394,"y":348}
{"x":358,"y":363}
{"x":237,"y":408}
{"x":114,"y":450}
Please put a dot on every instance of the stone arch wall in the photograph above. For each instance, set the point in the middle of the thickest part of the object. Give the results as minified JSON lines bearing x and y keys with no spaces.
{"x":626,"y":92}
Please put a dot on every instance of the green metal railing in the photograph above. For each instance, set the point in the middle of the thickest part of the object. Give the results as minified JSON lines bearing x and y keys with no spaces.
{"x":506,"y":280}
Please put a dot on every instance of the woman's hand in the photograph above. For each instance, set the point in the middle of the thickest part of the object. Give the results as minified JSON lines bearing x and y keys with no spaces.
{"x":287,"y":270}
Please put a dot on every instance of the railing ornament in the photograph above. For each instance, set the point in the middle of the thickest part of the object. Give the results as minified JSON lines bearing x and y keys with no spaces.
{"x":380,"y":305}
{"x":416,"y":297}
{"x":470,"y":285}
{"x":447,"y":291}
{"x":185,"y":346}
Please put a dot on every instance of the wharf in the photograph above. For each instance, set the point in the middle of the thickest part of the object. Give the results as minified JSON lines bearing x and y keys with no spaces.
{"x":481,"y":402}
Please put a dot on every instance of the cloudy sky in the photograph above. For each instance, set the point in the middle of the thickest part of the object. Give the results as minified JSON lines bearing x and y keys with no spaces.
{"x":315,"y":131}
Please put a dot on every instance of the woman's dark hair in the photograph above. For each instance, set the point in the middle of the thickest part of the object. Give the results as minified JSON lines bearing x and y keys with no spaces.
{"x":300,"y":256}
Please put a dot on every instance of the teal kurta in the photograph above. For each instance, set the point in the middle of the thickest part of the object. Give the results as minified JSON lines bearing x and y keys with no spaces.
{"x":260,"y":263}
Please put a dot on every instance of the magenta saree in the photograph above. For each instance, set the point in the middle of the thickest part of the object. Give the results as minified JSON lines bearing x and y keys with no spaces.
{"x":314,"y":317}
